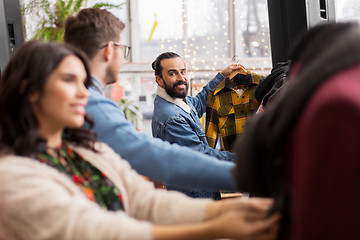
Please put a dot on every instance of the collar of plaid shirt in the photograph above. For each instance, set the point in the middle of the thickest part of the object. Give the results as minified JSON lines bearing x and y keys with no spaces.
{"x":251,"y":77}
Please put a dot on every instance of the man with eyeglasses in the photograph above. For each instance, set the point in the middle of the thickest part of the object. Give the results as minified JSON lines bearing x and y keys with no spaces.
{"x":98,"y":33}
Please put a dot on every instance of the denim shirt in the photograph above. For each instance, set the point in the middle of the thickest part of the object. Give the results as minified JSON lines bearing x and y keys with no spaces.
{"x":177,"y":121}
{"x":154,"y":158}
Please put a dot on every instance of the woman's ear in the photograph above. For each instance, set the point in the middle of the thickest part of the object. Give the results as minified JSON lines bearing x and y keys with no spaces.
{"x":159,"y":81}
{"x":34,"y":97}
{"x":23,"y":85}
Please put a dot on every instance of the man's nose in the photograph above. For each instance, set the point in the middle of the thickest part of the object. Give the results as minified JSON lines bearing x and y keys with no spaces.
{"x":181,"y":77}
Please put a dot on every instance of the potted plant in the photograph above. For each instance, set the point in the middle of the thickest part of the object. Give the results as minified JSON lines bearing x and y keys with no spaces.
{"x":131,"y":111}
{"x":50,"y":16}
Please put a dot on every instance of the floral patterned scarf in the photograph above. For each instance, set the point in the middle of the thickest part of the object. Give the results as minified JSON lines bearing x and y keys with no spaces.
{"x":94,"y":184}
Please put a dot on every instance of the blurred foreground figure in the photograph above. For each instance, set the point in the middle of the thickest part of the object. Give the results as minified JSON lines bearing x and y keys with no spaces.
{"x":304,"y":150}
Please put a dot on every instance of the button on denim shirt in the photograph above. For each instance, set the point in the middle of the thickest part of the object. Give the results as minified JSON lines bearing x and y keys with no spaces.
{"x":177,"y":121}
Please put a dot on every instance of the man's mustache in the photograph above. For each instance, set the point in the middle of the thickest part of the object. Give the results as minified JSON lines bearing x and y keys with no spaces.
{"x":179,"y":83}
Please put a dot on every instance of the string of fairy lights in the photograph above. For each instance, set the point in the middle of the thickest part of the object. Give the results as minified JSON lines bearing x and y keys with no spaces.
{"x":207,"y":45}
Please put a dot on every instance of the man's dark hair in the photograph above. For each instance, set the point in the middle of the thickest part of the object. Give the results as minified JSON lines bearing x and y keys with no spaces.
{"x":156,"y":65}
{"x":25,"y":74}
{"x":91,"y":28}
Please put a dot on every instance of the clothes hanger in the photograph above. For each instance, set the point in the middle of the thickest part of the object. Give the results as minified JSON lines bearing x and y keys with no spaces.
{"x":242,"y":71}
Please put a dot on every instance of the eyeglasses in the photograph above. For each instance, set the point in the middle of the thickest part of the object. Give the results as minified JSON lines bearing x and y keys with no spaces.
{"x":126,"y":49}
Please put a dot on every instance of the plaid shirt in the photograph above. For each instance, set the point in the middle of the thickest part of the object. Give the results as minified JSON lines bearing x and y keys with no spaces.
{"x":227,"y":112}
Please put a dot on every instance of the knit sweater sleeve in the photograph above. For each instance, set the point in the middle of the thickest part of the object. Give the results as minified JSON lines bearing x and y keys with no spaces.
{"x":37,"y":202}
{"x":155,"y":205}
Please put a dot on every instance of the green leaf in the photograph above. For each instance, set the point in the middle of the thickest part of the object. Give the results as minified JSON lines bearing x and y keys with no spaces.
{"x":52,"y":15}
{"x":107,"y":5}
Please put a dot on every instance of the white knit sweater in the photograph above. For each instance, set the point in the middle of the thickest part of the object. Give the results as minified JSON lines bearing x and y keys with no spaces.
{"x":39,"y":202}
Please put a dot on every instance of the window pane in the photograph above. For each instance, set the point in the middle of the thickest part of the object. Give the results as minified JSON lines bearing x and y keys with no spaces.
{"x":347,"y":10}
{"x":206,"y":33}
{"x":254,"y":30}
{"x":207,"y":29}
{"x":168,"y":34}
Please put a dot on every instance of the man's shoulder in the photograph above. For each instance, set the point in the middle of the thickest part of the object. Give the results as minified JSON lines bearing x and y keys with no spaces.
{"x":100,"y":107}
{"x":95,"y":94}
{"x":96,"y":97}
{"x":164,"y":110}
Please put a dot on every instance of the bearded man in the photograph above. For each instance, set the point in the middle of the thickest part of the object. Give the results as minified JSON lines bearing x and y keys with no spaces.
{"x":176,"y":116}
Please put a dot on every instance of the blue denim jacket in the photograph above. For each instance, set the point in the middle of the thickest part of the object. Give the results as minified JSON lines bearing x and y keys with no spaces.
{"x":177,"y":121}
{"x":154,"y":158}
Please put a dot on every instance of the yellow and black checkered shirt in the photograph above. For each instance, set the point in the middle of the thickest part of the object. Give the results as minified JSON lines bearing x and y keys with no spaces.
{"x":227,"y":111}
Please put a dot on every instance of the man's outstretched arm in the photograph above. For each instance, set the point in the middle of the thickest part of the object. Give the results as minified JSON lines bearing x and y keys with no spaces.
{"x":168,"y":163}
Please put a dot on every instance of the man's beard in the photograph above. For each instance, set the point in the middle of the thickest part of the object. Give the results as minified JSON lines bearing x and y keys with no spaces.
{"x":171,"y":91}
{"x":111,"y":75}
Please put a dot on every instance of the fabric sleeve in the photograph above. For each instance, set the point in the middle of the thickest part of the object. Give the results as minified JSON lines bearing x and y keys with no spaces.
{"x":40,"y":203}
{"x":154,"y":158}
{"x":158,"y":206}
{"x":199,"y":101}
{"x":178,"y":128}
{"x":212,"y":122}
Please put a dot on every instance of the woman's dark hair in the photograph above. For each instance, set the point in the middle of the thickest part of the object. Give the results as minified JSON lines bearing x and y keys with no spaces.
{"x":156,"y":65}
{"x":25,"y":74}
